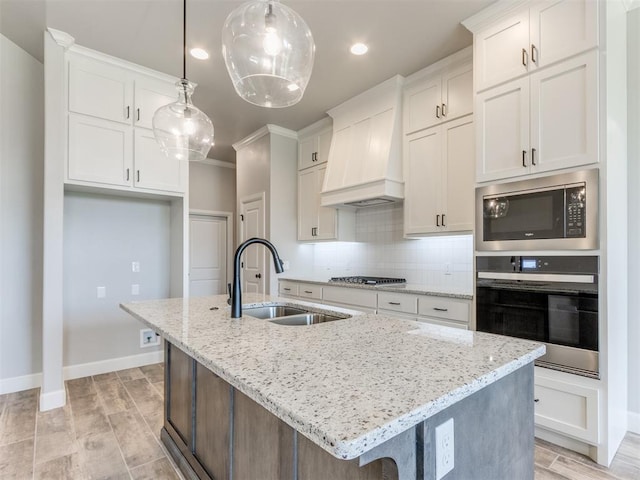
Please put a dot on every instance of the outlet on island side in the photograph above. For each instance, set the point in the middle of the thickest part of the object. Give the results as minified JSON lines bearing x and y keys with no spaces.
{"x":148,"y":338}
{"x":444,"y":448}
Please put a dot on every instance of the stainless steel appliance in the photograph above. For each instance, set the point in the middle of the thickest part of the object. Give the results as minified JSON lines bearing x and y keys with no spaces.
{"x":547,"y":299}
{"x":558,"y":212}
{"x":362,"y":280}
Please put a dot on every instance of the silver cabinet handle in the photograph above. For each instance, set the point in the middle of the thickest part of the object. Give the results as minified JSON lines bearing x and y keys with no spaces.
{"x":444,"y":112}
{"x":128,"y":108}
{"x":394,"y":303}
{"x":437,"y":111}
{"x":137,"y":114}
{"x":533,"y":156}
{"x":524,"y":158}
{"x":137,"y":175}
{"x":308,"y":291}
{"x":438,"y":309}
{"x":127,"y":174}
{"x":443,"y":220}
{"x":438,"y":220}
{"x":525,"y":57}
{"x":287,"y":289}
{"x":534,"y":54}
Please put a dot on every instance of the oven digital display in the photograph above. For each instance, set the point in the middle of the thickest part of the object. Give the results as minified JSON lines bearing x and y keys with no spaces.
{"x":529,"y":263}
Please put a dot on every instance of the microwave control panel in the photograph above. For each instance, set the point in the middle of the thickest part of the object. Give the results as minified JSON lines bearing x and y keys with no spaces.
{"x":576,"y":212}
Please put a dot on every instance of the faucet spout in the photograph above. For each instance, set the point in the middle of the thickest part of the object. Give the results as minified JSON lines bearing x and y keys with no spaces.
{"x":236,"y":293}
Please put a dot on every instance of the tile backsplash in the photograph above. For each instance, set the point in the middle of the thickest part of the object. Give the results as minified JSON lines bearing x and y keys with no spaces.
{"x":381,"y":250}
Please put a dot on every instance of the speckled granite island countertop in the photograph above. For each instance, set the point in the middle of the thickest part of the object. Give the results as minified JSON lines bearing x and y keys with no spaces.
{"x":347,"y":385}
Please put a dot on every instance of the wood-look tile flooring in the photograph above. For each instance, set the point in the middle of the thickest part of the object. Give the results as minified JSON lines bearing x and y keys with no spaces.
{"x":110,"y":429}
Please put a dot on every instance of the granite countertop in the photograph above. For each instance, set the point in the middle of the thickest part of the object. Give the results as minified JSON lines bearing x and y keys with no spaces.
{"x":404,"y":288}
{"x":347,"y":385}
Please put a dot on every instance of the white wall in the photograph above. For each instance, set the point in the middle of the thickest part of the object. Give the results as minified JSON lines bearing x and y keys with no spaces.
{"x":212,"y":187}
{"x":381,"y":250}
{"x":21,"y":211}
{"x":102,"y":236}
{"x":633,"y":91}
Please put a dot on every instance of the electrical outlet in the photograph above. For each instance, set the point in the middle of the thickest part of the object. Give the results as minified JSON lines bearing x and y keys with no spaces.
{"x":148,"y":338}
{"x":444,"y":448}
{"x":101,"y":292}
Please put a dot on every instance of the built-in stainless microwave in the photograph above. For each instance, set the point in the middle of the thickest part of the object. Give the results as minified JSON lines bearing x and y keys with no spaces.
{"x":558,"y":212}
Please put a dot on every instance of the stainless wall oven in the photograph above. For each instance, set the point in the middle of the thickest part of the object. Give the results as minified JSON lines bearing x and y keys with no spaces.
{"x":558,"y":212}
{"x":547,"y":299}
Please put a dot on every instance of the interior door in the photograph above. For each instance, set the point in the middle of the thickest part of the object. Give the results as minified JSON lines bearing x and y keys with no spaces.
{"x":253,"y":259}
{"x":207,"y":255}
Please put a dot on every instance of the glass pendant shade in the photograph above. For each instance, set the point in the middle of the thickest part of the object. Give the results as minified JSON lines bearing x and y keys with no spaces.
{"x":181,"y":129}
{"x":268,"y":50}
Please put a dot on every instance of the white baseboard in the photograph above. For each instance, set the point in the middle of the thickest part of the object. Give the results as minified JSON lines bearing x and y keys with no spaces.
{"x":51,"y":400}
{"x":113,"y":364}
{"x":634,"y":422}
{"x":17,"y":384}
{"x":26,"y":382}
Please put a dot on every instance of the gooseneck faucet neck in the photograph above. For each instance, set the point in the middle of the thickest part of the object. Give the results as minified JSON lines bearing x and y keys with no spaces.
{"x":236,"y":293}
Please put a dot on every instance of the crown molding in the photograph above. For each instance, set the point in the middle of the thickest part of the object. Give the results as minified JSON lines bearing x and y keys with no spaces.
{"x":267,"y":129}
{"x":216,"y":163}
{"x":494,"y":12}
{"x":324,"y":123}
{"x":456,"y":59}
{"x":61,"y":38}
{"x":631,"y":4}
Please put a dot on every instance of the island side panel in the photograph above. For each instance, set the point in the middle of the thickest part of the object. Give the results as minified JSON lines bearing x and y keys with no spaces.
{"x":263,"y":445}
{"x":179,"y":367}
{"x":493,"y":431}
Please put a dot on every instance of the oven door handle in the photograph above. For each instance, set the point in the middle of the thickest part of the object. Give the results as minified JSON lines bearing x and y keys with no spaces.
{"x":538,"y":277}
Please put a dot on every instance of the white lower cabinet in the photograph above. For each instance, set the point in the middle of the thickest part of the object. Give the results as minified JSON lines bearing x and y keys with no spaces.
{"x":567,"y":404}
{"x":287,"y":288}
{"x":309,"y":291}
{"x":364,"y":300}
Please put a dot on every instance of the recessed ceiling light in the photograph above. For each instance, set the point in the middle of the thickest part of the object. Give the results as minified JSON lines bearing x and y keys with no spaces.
{"x":359,"y":49}
{"x":199,"y":53}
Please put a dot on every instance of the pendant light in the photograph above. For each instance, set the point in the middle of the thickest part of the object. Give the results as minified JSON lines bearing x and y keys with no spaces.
{"x":183,"y":131}
{"x":268,"y":50}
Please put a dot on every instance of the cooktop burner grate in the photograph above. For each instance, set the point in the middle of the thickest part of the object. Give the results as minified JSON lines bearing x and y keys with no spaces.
{"x":368,"y":280}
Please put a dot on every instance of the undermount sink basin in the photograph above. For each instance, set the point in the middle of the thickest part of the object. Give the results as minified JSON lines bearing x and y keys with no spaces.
{"x":288,"y":315}
{"x":272,"y":311}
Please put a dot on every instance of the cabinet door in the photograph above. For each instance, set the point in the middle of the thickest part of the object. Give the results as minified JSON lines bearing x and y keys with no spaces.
{"x":99,"y":151}
{"x":324,"y":143}
{"x":562,"y":28}
{"x":420,"y":103}
{"x":423,"y":176}
{"x":100,"y":90}
{"x":457,"y":93}
{"x":564,"y":114}
{"x":180,"y":382}
{"x":308,"y":202}
{"x":327,"y":216}
{"x":498,"y":51}
{"x":306,"y":152}
{"x":502,"y":133}
{"x":153,"y":169}
{"x":458,"y":174}
{"x":150,"y":94}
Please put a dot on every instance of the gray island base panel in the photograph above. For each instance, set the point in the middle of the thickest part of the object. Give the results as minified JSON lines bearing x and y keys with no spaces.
{"x":338,"y":399}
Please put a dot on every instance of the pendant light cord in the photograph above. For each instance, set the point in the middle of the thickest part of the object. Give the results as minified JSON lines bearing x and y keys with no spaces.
{"x":184,"y":39}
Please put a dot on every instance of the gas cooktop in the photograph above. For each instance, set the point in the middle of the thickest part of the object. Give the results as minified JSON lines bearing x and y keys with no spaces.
{"x":368,"y":280}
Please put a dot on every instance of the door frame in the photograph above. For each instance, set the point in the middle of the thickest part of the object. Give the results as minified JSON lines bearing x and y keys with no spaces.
{"x":230,"y":248}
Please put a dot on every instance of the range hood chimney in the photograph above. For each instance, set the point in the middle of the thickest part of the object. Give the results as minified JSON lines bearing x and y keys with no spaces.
{"x":365,"y":157}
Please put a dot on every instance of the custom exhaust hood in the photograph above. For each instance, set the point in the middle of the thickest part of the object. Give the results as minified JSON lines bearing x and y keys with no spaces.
{"x":365,"y":157}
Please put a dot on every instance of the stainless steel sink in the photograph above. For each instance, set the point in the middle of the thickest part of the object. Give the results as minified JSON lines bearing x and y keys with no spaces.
{"x":272,"y":311}
{"x":306,"y":319}
{"x":288,"y":315}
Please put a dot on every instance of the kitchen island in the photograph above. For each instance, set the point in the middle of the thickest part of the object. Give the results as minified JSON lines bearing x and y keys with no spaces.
{"x":355,"y":398}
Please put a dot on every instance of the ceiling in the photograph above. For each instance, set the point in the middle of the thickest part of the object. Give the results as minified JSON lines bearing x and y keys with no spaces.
{"x":403,"y":37}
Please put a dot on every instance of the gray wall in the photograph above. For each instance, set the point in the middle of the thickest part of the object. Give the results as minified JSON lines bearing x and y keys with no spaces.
{"x":21,"y":211}
{"x":103,"y":235}
{"x":633,"y":69}
{"x":212,"y":187}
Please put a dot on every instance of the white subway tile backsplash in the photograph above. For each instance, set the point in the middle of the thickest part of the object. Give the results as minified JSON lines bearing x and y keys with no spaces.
{"x":381,"y":250}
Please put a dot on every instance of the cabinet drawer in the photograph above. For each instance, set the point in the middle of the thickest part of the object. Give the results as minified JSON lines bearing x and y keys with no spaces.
{"x":398,"y":302}
{"x":289,"y":289}
{"x":310,"y":291}
{"x":446,"y":308}
{"x":567,"y":408}
{"x":350,"y":296}
{"x":444,"y":323}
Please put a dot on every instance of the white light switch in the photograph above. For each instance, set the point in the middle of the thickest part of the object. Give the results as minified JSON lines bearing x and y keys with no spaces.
{"x":102,"y":292}
{"x":135,"y":289}
{"x":135,"y":266}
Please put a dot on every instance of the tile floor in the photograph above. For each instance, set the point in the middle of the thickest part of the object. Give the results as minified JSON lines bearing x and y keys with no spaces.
{"x":110,"y":429}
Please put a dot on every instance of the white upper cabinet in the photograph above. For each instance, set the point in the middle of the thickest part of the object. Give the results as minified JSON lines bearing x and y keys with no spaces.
{"x":314,"y":149}
{"x":442,"y":96}
{"x":542,"y":122}
{"x":111,"y":144}
{"x":546,"y":33}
